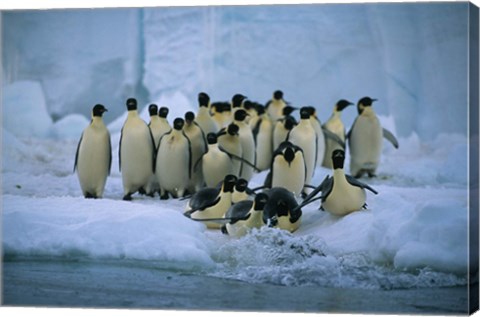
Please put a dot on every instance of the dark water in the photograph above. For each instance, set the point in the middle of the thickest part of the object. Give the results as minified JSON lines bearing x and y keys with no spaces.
{"x":123,"y":285}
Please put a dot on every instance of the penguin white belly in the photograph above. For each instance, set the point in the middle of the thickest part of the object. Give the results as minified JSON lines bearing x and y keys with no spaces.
{"x":206,"y":123}
{"x":336,"y":127}
{"x":248,"y":151}
{"x":215,"y":166}
{"x":365,"y":145}
{"x":198,"y":147}
{"x":242,"y":227}
{"x":320,"y":141}
{"x":239,"y":196}
{"x":216,"y":211}
{"x":232,"y":145}
{"x":93,"y":161}
{"x":279,"y":135}
{"x":275,"y":110}
{"x":290,"y":177}
{"x":285,"y":224}
{"x":173,"y":165}
{"x":305,"y":139}
{"x":137,"y":158}
{"x":344,"y":199}
{"x":264,"y":147}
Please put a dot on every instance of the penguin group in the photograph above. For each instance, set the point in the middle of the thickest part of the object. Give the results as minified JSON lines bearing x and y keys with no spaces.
{"x":211,"y":155}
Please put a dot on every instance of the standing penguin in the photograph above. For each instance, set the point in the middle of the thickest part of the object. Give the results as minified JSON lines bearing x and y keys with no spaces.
{"x":320,"y":137}
{"x":275,"y":106}
{"x":263,"y":137}
{"x":203,"y":118}
{"x":136,"y":153}
{"x":94,"y":155}
{"x":303,"y":135}
{"x":365,"y":140}
{"x":342,"y":194}
{"x":221,"y":113}
{"x":247,"y":142}
{"x":198,"y":147}
{"x":216,"y":163}
{"x":155,"y":126}
{"x":174,"y":161}
{"x":335,"y":125}
{"x":164,"y":125}
{"x":245,"y":215}
{"x":288,"y":168}
{"x":282,"y":210}
{"x":211,"y":202}
{"x":283,"y":126}
{"x":229,"y":140}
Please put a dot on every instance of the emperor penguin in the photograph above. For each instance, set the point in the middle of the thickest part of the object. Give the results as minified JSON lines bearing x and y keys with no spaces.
{"x":240,"y":191}
{"x":303,"y":135}
{"x":275,"y":106}
{"x":248,"y":143}
{"x":136,"y":153}
{"x":203,"y":118}
{"x":251,"y":109}
{"x":221,"y":113}
{"x":93,"y":159}
{"x":174,"y":161}
{"x":320,"y":137}
{"x":335,"y":125}
{"x":216,"y":163}
{"x":342,"y":194}
{"x":245,"y":216}
{"x":164,"y":126}
{"x":282,"y":210}
{"x":283,"y":126}
{"x":365,"y":140}
{"x":211,"y":203}
{"x":198,"y":146}
{"x":288,"y":168}
{"x":263,"y":137}
{"x":155,"y":126}
{"x":228,"y":138}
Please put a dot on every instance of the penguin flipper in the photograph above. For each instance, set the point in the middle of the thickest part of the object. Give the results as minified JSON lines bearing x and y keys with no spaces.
{"x":256,"y":130}
{"x":355,"y":182}
{"x":109,"y":154}
{"x":120,"y":151}
{"x":332,"y":136}
{"x":189,"y":155}
{"x":76,"y":154}
{"x":390,"y":137}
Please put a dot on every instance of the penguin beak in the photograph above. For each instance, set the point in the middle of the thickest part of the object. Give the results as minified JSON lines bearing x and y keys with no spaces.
{"x":373,"y":100}
{"x":222,"y":132}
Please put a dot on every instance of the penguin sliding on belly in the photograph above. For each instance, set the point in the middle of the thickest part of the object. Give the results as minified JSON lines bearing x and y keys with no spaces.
{"x":341,"y":194}
{"x":211,"y":203}
{"x":365,"y":140}
{"x":245,"y":215}
{"x":282,"y":210}
{"x":136,"y":153}
{"x":94,"y":156}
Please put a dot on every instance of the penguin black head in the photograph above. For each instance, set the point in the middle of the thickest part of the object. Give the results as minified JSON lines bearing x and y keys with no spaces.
{"x":237,"y":100}
{"x":189,"y":117}
{"x":260,"y":109}
{"x":240,"y":115}
{"x":131,"y":104}
{"x":163,"y":112}
{"x":338,"y":157}
{"x":178,"y":124}
{"x":288,"y":110}
{"x":290,"y":123}
{"x":153,"y":109}
{"x":364,"y":102}
{"x":229,"y":183}
{"x":212,"y":138}
{"x":248,"y":105}
{"x":226,"y":106}
{"x":305,"y":113}
{"x":342,"y":104}
{"x":289,"y":154}
{"x":260,"y":201}
{"x":278,"y":95}
{"x":98,"y":110}
{"x":232,"y":129}
{"x":241,"y":185}
{"x":203,"y":99}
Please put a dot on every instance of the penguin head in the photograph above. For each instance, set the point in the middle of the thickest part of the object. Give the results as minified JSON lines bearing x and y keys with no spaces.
{"x":163,"y":112}
{"x":232,"y":129}
{"x":131,"y":104}
{"x":226,"y":107}
{"x":288,"y":110}
{"x":248,"y":105}
{"x":364,"y":102}
{"x":290,"y":123}
{"x":342,"y":104}
{"x":203,"y":99}
{"x":178,"y":124}
{"x":212,"y":138}
{"x":237,"y":100}
{"x":189,"y":117}
{"x":278,"y":95}
{"x":241,"y":185}
{"x":260,"y":201}
{"x":260,"y":109}
{"x":305,"y":113}
{"x":229,"y":183}
{"x":98,"y":110}
{"x":338,"y":158}
{"x":282,"y":208}
{"x":240,"y":115}
{"x":289,"y":154}
{"x":153,"y":109}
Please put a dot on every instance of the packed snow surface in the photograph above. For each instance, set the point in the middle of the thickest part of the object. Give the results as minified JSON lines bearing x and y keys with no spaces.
{"x":413,"y":234}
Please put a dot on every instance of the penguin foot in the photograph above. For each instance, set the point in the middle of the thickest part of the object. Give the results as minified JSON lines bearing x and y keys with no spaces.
{"x":371,"y":174}
{"x":224,"y":229}
{"x":164,"y":196}
{"x":90,"y":196}
{"x":127,"y":197}
{"x":142,"y":191}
